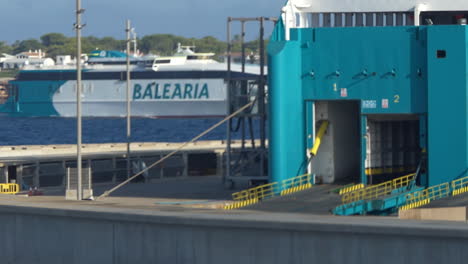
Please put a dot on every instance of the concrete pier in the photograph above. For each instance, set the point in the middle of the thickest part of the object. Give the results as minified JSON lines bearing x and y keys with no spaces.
{"x":179,"y":220}
{"x":45,"y":165}
{"x":49,"y":230}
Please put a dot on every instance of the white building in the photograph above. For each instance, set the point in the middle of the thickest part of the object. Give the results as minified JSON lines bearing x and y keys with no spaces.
{"x":31,"y":58}
{"x":65,"y":60}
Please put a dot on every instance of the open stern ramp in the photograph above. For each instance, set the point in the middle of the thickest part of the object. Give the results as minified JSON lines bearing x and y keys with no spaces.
{"x":382,"y":89}
{"x":382,"y":198}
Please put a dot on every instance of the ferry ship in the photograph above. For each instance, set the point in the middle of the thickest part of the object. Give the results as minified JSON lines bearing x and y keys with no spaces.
{"x":187,"y":84}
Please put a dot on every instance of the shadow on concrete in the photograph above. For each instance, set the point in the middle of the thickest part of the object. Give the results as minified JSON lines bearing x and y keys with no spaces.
{"x":197,"y":188}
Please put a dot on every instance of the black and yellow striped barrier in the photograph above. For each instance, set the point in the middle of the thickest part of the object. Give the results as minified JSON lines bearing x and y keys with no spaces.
{"x":254,"y":195}
{"x":415,"y":204}
{"x":296,"y":189}
{"x":240,"y":204}
{"x":351,"y":188}
{"x":460,"y":191}
{"x":9,"y":188}
{"x":424,"y":197}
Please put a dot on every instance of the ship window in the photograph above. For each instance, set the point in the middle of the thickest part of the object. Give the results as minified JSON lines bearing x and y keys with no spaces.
{"x":195,"y":57}
{"x":441,"y":54}
{"x":163,"y":61}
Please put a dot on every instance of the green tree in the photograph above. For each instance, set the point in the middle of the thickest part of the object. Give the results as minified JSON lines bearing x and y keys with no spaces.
{"x":56,"y":39}
{"x":5,"y":48}
{"x":210,"y":44}
{"x":26,"y":45}
{"x":162,"y":44}
{"x":66,"y":49}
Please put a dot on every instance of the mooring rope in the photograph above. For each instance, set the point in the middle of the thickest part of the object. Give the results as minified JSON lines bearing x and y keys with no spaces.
{"x":107,"y":193}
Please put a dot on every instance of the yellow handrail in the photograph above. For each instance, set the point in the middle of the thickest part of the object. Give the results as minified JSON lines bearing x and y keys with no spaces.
{"x":379,"y":190}
{"x":460,"y":186}
{"x":273,"y":189}
{"x":420,"y":198}
{"x":9,"y":188}
{"x":351,"y":188}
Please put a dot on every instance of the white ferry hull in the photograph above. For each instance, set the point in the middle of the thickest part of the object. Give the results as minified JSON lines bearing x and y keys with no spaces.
{"x":149,"y":98}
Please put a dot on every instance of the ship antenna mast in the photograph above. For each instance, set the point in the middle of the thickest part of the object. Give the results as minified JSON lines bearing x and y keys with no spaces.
{"x":134,"y":40}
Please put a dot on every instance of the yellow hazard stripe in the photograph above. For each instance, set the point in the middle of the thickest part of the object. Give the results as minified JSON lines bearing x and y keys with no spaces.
{"x":460,"y":191}
{"x":240,"y":204}
{"x":9,"y":188}
{"x":415,"y":204}
{"x":380,"y":171}
{"x":296,"y":189}
{"x":352,"y":188}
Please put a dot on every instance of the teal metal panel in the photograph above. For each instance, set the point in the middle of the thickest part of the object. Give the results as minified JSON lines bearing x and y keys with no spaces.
{"x":287,"y":141}
{"x":33,"y":97}
{"x":466,"y":85}
{"x":382,"y":67}
{"x":279,"y":31}
{"x":447,"y":113}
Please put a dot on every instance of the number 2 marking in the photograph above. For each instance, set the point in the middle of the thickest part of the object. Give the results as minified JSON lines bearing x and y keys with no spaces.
{"x":397,"y":99}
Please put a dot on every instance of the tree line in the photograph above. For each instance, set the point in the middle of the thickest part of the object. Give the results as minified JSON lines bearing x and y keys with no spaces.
{"x":159,"y":44}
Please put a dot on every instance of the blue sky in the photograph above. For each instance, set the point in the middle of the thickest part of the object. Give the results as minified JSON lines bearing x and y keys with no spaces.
{"x":23,"y":19}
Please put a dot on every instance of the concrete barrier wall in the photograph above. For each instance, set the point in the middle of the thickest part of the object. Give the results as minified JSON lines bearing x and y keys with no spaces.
{"x":40,"y":235}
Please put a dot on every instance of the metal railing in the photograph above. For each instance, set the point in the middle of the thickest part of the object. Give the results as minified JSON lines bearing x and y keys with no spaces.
{"x":9,"y":188}
{"x":459,"y":186}
{"x":272,"y":189}
{"x":424,"y":197}
{"x":257,"y":194}
{"x":379,"y":190}
{"x":351,"y":188}
{"x":264,"y":191}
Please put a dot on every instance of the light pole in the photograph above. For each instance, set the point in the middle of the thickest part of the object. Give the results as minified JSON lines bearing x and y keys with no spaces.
{"x":128,"y":30}
{"x":78,"y":27}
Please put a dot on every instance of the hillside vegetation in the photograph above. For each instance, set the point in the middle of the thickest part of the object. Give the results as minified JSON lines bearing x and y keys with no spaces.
{"x":160,"y":44}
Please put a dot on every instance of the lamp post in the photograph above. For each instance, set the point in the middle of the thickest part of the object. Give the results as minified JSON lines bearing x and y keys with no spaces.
{"x":78,"y":27}
{"x":129,"y":131}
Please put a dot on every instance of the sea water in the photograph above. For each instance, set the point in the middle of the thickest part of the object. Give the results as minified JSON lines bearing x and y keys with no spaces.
{"x":44,"y":131}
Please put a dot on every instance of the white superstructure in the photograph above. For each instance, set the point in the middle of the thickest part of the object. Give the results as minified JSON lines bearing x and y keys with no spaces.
{"x":349,"y":13}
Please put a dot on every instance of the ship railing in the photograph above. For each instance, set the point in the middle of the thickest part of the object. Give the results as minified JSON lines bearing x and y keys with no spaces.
{"x":424,"y":197}
{"x":274,"y":189}
{"x":379,"y":190}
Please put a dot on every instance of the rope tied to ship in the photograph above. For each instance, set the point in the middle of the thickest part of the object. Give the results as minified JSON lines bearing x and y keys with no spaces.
{"x":108,"y":192}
